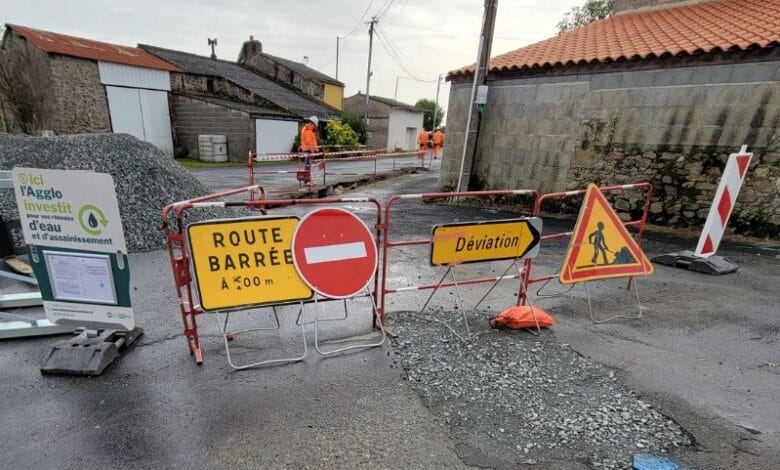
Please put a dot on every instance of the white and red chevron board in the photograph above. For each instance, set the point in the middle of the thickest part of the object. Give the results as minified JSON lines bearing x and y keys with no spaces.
{"x":722,"y":205}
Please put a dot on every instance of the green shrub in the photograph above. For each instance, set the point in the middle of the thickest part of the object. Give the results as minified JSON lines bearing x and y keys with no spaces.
{"x":340,"y":133}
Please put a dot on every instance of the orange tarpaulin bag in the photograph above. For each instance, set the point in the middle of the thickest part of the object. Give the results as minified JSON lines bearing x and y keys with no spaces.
{"x":518,"y":318}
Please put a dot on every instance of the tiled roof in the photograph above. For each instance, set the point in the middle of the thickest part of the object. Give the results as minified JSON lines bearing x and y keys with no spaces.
{"x":710,"y":26}
{"x":391,"y":102}
{"x":304,"y":69}
{"x":284,"y":97}
{"x":88,"y":49}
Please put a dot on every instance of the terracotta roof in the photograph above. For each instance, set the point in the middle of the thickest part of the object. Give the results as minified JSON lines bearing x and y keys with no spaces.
{"x":88,"y":49}
{"x":711,"y":26}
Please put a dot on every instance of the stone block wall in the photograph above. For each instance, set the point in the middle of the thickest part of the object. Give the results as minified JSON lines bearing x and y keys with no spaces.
{"x":378,"y":118}
{"x":195,"y":117}
{"x":81,"y":101}
{"x":673,"y":127}
{"x":281,"y":73}
{"x":78,"y":99}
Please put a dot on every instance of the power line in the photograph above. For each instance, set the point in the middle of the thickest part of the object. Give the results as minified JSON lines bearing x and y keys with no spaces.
{"x":442,"y":32}
{"x":400,"y":56}
{"x":394,"y":55}
{"x":360,"y":21}
{"x":384,"y":9}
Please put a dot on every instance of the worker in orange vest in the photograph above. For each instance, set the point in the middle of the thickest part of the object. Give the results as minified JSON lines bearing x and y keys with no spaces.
{"x":309,"y":140}
{"x":438,"y":141}
{"x":422,"y":141}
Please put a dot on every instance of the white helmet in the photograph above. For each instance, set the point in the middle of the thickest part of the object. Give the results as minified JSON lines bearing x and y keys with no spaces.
{"x":314,"y":120}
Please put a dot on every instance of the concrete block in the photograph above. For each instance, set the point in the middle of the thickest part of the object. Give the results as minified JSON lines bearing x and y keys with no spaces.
{"x":606,"y":81}
{"x":711,"y":74}
{"x":640,"y":79}
{"x":673,"y":77}
{"x":654,"y":96}
{"x":755,"y":72}
{"x":687,"y":96}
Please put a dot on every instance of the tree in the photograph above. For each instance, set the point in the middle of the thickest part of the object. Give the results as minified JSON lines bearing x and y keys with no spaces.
{"x":591,"y":11}
{"x":340,"y":133}
{"x":358,"y":125}
{"x":429,"y":106}
{"x":25,"y":90}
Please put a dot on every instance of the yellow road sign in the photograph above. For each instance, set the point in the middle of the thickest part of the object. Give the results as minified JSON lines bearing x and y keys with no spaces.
{"x":473,"y":242}
{"x":245,"y":262}
{"x":601,"y":247}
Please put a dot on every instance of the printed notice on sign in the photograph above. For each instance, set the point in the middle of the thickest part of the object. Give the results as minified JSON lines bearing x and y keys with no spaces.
{"x":245,"y":262}
{"x":494,"y":240}
{"x":81,"y":277}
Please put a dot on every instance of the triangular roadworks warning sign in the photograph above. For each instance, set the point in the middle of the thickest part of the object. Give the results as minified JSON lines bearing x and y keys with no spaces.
{"x":600,"y":246}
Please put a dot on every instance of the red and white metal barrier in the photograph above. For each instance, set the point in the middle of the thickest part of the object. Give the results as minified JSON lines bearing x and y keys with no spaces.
{"x":389,"y":243}
{"x":640,"y":223}
{"x":179,"y":253}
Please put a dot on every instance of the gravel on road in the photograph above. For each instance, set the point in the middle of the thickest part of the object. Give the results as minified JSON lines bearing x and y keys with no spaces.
{"x":514,"y":399}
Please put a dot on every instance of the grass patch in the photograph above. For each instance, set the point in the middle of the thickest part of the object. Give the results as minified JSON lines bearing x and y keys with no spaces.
{"x":194,"y":164}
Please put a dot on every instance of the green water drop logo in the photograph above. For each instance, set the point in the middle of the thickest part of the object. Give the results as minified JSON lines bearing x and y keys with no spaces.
{"x":91,"y":218}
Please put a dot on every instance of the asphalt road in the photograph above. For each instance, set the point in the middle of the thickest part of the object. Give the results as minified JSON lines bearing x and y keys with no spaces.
{"x":705,"y":354}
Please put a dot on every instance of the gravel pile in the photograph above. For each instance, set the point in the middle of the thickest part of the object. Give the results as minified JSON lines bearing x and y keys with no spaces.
{"x":146,"y":179}
{"x":513,"y":398}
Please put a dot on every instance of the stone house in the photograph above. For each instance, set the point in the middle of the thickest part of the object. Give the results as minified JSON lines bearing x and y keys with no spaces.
{"x":661,"y":91}
{"x":391,"y":124}
{"x":254,"y":112}
{"x":312,"y":82}
{"x":90,"y":86}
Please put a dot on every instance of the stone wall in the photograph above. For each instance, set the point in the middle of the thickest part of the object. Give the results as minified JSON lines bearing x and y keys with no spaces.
{"x":194,"y":117}
{"x":81,"y":101}
{"x":673,"y":127}
{"x":281,"y":73}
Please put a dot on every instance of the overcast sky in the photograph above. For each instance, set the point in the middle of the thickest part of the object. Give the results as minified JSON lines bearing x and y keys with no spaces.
{"x":428,"y":38}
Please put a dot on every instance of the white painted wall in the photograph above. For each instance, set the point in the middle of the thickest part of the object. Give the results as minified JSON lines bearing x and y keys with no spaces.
{"x":397,"y":129}
{"x":141,"y":113}
{"x":274,"y":135}
{"x":135,"y":77}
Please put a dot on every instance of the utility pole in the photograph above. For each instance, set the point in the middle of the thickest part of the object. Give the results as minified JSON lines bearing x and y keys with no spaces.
{"x":436,"y":104}
{"x":480,"y":78}
{"x":395,"y":95}
{"x":337,"y":57}
{"x":373,"y":21}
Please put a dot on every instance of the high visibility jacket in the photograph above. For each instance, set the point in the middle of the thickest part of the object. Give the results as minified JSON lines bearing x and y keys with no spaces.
{"x":438,"y":138}
{"x":309,"y":138}
{"x":422,"y":139}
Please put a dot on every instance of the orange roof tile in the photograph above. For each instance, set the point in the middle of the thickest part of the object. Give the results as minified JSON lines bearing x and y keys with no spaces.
{"x":717,"y":25}
{"x":88,"y":49}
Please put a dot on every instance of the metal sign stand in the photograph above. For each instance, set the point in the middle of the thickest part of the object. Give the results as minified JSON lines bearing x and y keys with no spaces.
{"x":614,"y":317}
{"x":375,"y":313}
{"x":450,"y":271}
{"x":228,"y":336}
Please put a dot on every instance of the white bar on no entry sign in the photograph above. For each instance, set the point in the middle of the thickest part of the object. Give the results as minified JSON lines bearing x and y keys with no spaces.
{"x":340,"y":252}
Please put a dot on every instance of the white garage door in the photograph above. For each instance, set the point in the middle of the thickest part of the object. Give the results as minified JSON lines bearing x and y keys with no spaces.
{"x":275,"y":136}
{"x":141,"y":113}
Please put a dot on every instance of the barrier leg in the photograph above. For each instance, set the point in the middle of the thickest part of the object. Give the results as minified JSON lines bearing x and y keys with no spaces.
{"x":374,"y":313}
{"x":227,"y":336}
{"x":460,"y":305}
{"x":499,"y":279}
{"x":614,"y":317}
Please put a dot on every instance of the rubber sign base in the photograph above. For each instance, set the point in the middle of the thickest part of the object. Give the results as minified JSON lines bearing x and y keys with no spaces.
{"x":686,"y":259}
{"x":89,"y":353}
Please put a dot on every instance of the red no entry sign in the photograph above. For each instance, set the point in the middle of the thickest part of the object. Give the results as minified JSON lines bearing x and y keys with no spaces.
{"x":334,"y":252}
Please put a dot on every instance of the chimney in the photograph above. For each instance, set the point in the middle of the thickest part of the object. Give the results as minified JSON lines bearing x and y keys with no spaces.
{"x":250,"y":49}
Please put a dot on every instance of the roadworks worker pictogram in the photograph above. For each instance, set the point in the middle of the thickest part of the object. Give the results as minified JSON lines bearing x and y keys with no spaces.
{"x":598,"y":231}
